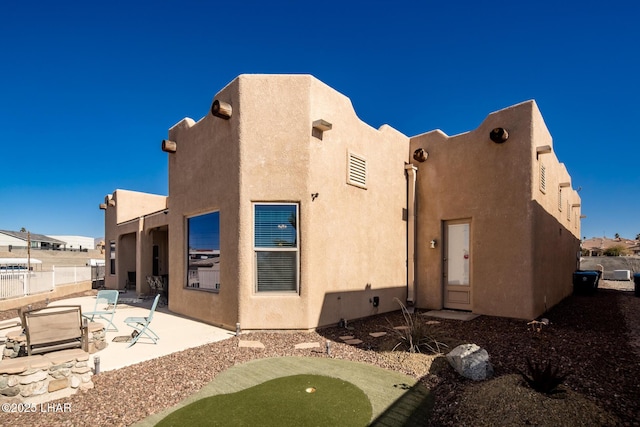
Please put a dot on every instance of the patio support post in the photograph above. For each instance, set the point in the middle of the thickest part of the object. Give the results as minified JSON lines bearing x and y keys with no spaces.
{"x":139,"y":246}
{"x":411,"y":232}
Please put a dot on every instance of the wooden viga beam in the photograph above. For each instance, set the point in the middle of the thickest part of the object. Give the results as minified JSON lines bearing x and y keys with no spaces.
{"x":221,"y":109}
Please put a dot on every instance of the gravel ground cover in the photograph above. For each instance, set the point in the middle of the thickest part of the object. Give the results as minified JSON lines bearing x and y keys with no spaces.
{"x":594,"y":339}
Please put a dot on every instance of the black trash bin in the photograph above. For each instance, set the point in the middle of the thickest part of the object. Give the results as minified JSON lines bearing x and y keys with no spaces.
{"x":636,"y":281}
{"x":585,"y":282}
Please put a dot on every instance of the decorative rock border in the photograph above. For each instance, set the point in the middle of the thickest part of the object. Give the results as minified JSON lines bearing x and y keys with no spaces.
{"x":97,"y":337}
{"x":15,"y":345}
{"x":37,"y":379}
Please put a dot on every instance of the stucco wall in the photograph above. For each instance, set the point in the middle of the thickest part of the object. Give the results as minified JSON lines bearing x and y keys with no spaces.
{"x":356,"y":237}
{"x":122,"y":225}
{"x":352,"y":240}
{"x":519,"y":259}
{"x":556,"y":223}
{"x":204,"y":176}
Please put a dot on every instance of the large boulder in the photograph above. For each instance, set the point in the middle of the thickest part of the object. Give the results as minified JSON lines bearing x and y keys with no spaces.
{"x":471,"y":362}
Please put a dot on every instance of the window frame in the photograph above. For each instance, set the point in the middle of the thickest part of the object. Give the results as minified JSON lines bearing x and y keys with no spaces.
{"x":216,"y":286}
{"x":263,"y":249}
{"x":112,"y":257}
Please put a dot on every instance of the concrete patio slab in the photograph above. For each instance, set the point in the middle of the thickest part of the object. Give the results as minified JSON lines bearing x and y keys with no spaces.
{"x":176,"y":332}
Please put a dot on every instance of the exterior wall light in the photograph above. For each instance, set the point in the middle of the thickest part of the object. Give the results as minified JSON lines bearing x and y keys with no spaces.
{"x":169,"y":146}
{"x":433,"y":243}
{"x":499,"y":135}
{"x":221,"y":109}
{"x":420,"y":155}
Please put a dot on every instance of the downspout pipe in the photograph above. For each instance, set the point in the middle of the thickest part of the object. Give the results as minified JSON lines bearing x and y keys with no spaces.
{"x":411,"y":232}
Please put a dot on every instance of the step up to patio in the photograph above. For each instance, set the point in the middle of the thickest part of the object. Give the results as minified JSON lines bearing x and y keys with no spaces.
{"x":250,"y":344}
{"x":306,"y":345}
{"x":351,"y":340}
{"x":451,"y":314}
{"x":6,"y":324}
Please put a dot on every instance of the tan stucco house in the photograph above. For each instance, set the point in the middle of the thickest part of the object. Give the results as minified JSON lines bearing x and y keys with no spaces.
{"x":286,"y":211}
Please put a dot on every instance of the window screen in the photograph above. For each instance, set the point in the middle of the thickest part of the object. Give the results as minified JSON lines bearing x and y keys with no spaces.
{"x":276,"y":247}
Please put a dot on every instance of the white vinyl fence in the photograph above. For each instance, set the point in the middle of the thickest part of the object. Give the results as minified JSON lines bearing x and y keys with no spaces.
{"x":14,"y":284}
{"x":209,"y":279}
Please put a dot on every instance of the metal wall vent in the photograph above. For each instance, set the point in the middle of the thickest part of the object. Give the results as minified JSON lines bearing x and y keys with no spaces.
{"x":357,"y":171}
{"x":543,"y":178}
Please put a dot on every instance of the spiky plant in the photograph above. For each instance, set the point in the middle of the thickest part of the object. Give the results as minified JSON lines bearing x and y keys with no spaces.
{"x":415,"y":337}
{"x":543,"y":378}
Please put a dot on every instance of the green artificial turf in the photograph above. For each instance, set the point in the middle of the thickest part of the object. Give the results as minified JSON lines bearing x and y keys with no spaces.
{"x":280,"y":402}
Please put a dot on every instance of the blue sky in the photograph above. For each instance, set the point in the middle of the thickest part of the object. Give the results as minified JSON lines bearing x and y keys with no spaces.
{"x":89,"y":89}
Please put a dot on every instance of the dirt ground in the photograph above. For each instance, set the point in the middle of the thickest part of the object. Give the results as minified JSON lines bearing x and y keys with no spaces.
{"x":590,"y":337}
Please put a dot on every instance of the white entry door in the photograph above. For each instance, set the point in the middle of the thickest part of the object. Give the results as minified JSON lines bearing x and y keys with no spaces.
{"x":456,"y":262}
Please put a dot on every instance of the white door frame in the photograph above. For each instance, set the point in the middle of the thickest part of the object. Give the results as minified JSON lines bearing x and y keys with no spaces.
{"x":456,"y":265}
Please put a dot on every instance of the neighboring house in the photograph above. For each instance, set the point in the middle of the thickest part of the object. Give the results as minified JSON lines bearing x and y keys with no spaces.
{"x":77,"y":242}
{"x":19,"y":239}
{"x":289,"y":212}
{"x":596,"y":246}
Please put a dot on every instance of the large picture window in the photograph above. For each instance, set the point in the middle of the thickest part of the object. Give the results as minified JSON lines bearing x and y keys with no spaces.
{"x":276,"y":247}
{"x":203,"y":254}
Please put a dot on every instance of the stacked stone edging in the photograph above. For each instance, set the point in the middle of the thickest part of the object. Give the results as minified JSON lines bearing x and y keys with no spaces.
{"x":30,"y":379}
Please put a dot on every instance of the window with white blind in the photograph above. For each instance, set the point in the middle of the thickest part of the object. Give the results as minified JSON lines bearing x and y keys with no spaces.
{"x":276,"y":247}
{"x":357,"y":170}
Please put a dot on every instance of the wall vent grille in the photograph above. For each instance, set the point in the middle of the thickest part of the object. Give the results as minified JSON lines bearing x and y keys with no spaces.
{"x":357,"y":171}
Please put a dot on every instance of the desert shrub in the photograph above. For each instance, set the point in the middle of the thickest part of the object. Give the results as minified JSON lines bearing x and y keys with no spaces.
{"x":415,"y":337}
{"x":616,"y":250}
{"x":543,"y":378}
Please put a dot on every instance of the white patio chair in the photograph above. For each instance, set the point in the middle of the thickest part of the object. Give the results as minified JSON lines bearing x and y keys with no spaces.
{"x":105,"y":308}
{"x":141,"y":327}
